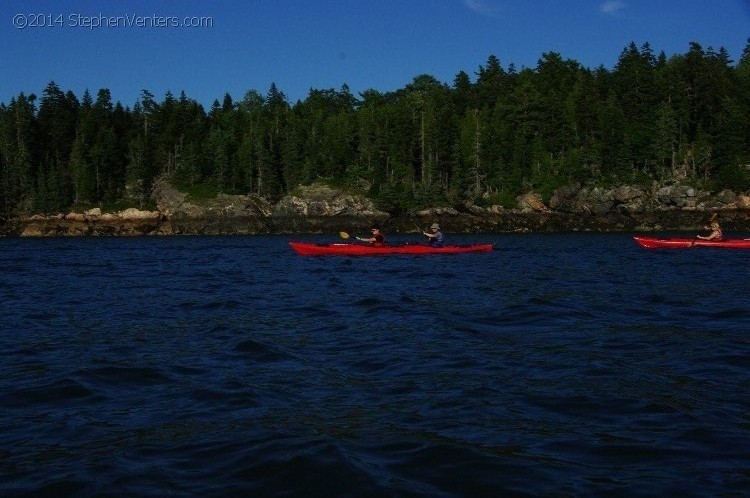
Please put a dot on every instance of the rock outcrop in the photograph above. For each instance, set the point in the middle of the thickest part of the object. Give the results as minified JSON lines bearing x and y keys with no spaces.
{"x":131,"y":221}
{"x":319,"y":208}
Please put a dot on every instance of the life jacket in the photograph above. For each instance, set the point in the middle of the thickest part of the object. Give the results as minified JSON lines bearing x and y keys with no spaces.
{"x":437,"y":241}
{"x":716,"y":231}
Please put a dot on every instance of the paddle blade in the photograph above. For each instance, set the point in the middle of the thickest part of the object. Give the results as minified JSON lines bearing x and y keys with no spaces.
{"x":344,"y":235}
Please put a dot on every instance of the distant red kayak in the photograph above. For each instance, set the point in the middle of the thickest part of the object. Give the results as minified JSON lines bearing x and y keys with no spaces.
{"x":313,"y":249}
{"x":684,"y":243}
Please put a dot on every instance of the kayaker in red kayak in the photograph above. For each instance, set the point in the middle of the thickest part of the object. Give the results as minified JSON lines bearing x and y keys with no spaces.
{"x":716,"y":233}
{"x":435,"y":236}
{"x":377,"y":239}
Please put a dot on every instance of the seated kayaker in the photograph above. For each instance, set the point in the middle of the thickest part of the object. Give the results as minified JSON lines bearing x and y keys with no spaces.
{"x":435,"y":236}
{"x":377,"y":239}
{"x":716,"y":233}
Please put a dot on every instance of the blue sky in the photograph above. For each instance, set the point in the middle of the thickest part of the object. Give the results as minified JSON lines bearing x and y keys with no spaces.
{"x":320,"y":44}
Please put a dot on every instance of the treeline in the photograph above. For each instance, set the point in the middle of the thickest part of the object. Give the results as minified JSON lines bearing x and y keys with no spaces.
{"x":488,"y":140}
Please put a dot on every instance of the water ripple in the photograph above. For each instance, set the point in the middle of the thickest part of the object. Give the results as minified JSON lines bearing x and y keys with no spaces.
{"x":560,"y":365}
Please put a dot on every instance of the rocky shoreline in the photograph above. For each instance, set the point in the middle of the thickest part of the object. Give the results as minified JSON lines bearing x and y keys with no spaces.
{"x":321,"y":209}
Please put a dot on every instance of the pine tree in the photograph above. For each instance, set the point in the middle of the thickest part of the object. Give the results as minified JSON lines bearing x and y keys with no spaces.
{"x":17,"y":141}
{"x":57,"y":123}
{"x":271,"y":177}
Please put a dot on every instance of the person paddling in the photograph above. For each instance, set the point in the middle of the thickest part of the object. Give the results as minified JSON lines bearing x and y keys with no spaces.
{"x":435,"y":236}
{"x":716,"y":233}
{"x":377,"y":239}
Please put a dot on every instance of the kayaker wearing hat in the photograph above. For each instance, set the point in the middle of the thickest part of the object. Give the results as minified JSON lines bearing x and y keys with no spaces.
{"x":435,"y":236}
{"x":377,"y":239}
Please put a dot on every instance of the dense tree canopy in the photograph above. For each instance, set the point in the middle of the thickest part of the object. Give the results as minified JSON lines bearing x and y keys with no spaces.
{"x":650,"y":118}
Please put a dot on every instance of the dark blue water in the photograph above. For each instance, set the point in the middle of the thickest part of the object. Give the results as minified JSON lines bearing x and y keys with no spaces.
{"x":560,"y":365}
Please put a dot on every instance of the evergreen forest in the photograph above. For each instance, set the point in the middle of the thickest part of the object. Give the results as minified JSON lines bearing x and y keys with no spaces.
{"x":483,"y":139}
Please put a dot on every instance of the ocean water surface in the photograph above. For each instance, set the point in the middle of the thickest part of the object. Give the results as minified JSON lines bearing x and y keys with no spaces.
{"x":558,"y":365}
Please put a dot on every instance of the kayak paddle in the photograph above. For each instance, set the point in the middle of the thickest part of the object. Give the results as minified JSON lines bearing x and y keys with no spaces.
{"x":344,"y":235}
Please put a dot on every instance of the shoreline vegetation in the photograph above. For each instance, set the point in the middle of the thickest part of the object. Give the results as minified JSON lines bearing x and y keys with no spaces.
{"x":654,"y":143}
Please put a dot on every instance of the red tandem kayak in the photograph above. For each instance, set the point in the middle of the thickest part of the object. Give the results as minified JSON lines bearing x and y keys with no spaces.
{"x":313,"y":249}
{"x":680,"y":243}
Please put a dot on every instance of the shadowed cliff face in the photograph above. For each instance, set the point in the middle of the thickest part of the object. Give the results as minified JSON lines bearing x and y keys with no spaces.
{"x":321,"y":209}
